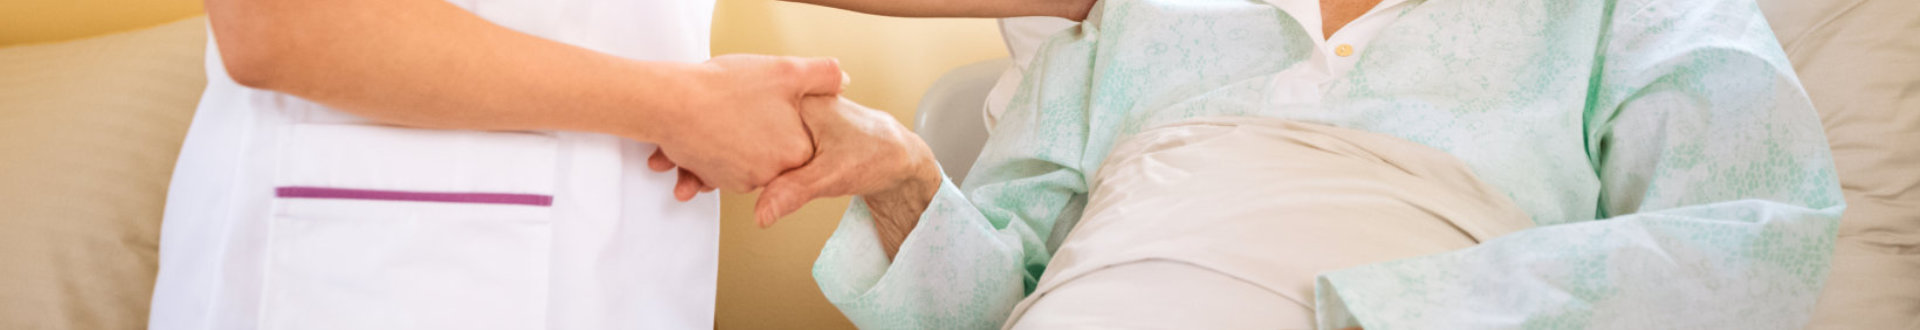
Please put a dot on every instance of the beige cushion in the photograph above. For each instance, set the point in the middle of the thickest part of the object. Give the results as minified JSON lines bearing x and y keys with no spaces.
{"x":88,"y":133}
{"x":1860,"y":62}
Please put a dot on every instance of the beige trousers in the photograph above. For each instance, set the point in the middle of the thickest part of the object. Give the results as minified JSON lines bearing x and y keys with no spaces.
{"x":1223,"y":223}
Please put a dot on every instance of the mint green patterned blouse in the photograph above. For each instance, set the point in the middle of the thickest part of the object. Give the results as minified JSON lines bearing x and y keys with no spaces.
{"x":1676,"y":168}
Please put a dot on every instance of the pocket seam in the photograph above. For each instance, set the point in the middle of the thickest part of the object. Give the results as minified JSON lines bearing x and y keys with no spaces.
{"x":540,"y":200}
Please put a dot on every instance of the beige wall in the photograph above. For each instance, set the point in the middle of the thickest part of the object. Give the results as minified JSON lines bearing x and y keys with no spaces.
{"x":765,"y":279}
{"x":29,"y":21}
{"x":765,"y":274}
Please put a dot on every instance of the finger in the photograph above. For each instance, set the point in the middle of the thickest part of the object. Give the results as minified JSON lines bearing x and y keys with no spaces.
{"x":787,"y":193}
{"x":659,"y":162}
{"x":688,"y":186}
{"x":821,"y":76}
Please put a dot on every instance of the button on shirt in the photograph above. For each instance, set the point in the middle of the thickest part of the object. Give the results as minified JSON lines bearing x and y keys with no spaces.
{"x":1340,"y":52}
{"x":1332,"y":57}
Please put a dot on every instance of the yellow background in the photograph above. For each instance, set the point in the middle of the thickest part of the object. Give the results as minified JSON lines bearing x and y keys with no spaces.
{"x":25,"y":21}
{"x":765,"y":279}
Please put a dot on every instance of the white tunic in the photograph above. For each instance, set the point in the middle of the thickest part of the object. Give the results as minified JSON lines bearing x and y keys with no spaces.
{"x":286,"y":214}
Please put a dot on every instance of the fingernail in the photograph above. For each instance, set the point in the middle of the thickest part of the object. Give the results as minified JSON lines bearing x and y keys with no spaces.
{"x":768,"y":215}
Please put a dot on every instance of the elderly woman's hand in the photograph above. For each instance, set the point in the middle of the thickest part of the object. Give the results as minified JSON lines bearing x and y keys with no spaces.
{"x":858,"y":151}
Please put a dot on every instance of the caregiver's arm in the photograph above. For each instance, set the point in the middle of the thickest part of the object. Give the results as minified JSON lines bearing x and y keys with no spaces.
{"x":1069,"y":9}
{"x":427,"y":63}
{"x":1718,"y":193}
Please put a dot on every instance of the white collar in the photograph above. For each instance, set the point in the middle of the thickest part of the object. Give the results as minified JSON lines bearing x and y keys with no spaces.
{"x":1307,"y":12}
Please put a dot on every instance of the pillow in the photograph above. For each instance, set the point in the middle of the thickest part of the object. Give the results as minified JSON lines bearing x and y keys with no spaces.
{"x":88,"y":134}
{"x":1860,"y":63}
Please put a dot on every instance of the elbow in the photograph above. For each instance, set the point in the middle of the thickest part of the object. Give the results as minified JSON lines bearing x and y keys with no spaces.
{"x":249,"y":67}
{"x":247,"y":43}
{"x":248,"y":74}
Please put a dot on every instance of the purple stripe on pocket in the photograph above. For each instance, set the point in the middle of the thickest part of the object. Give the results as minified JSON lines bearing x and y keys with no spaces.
{"x":413,"y":196}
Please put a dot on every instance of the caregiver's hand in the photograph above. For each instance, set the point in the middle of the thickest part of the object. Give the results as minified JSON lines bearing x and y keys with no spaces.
{"x":739,"y":125}
{"x":858,"y":151}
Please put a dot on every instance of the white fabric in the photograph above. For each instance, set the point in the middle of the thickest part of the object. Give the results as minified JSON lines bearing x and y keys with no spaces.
{"x":614,"y":250}
{"x":1268,"y":202}
{"x":1024,"y":35}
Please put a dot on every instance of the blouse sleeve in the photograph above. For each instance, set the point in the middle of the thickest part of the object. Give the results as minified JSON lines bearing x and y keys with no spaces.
{"x":1719,"y":200}
{"x":977,"y":250}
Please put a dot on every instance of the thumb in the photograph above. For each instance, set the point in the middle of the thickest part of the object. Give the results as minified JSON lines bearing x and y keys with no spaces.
{"x":821,"y":76}
{"x":786,"y":193}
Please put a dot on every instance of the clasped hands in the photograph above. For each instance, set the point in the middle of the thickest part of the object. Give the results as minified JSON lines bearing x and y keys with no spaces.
{"x":778,"y":123}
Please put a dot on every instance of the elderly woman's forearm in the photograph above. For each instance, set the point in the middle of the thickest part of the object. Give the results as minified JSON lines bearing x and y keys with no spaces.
{"x":897,"y":211}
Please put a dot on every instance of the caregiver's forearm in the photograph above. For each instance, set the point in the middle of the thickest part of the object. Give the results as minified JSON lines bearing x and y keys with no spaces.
{"x":1069,"y":9}
{"x":427,"y":63}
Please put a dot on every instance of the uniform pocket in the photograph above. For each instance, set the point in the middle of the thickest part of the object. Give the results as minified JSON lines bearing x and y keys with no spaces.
{"x":392,"y":228}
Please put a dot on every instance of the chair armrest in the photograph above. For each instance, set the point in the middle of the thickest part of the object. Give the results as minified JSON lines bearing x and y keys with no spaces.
{"x":951,"y":116}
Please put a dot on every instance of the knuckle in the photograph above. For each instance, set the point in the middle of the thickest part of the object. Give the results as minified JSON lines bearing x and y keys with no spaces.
{"x":758,"y":177}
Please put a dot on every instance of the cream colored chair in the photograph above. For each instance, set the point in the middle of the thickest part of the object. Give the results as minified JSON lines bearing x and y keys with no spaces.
{"x":949,"y":117}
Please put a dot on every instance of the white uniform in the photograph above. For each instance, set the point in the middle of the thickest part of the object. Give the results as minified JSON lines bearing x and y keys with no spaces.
{"x":286,"y":214}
